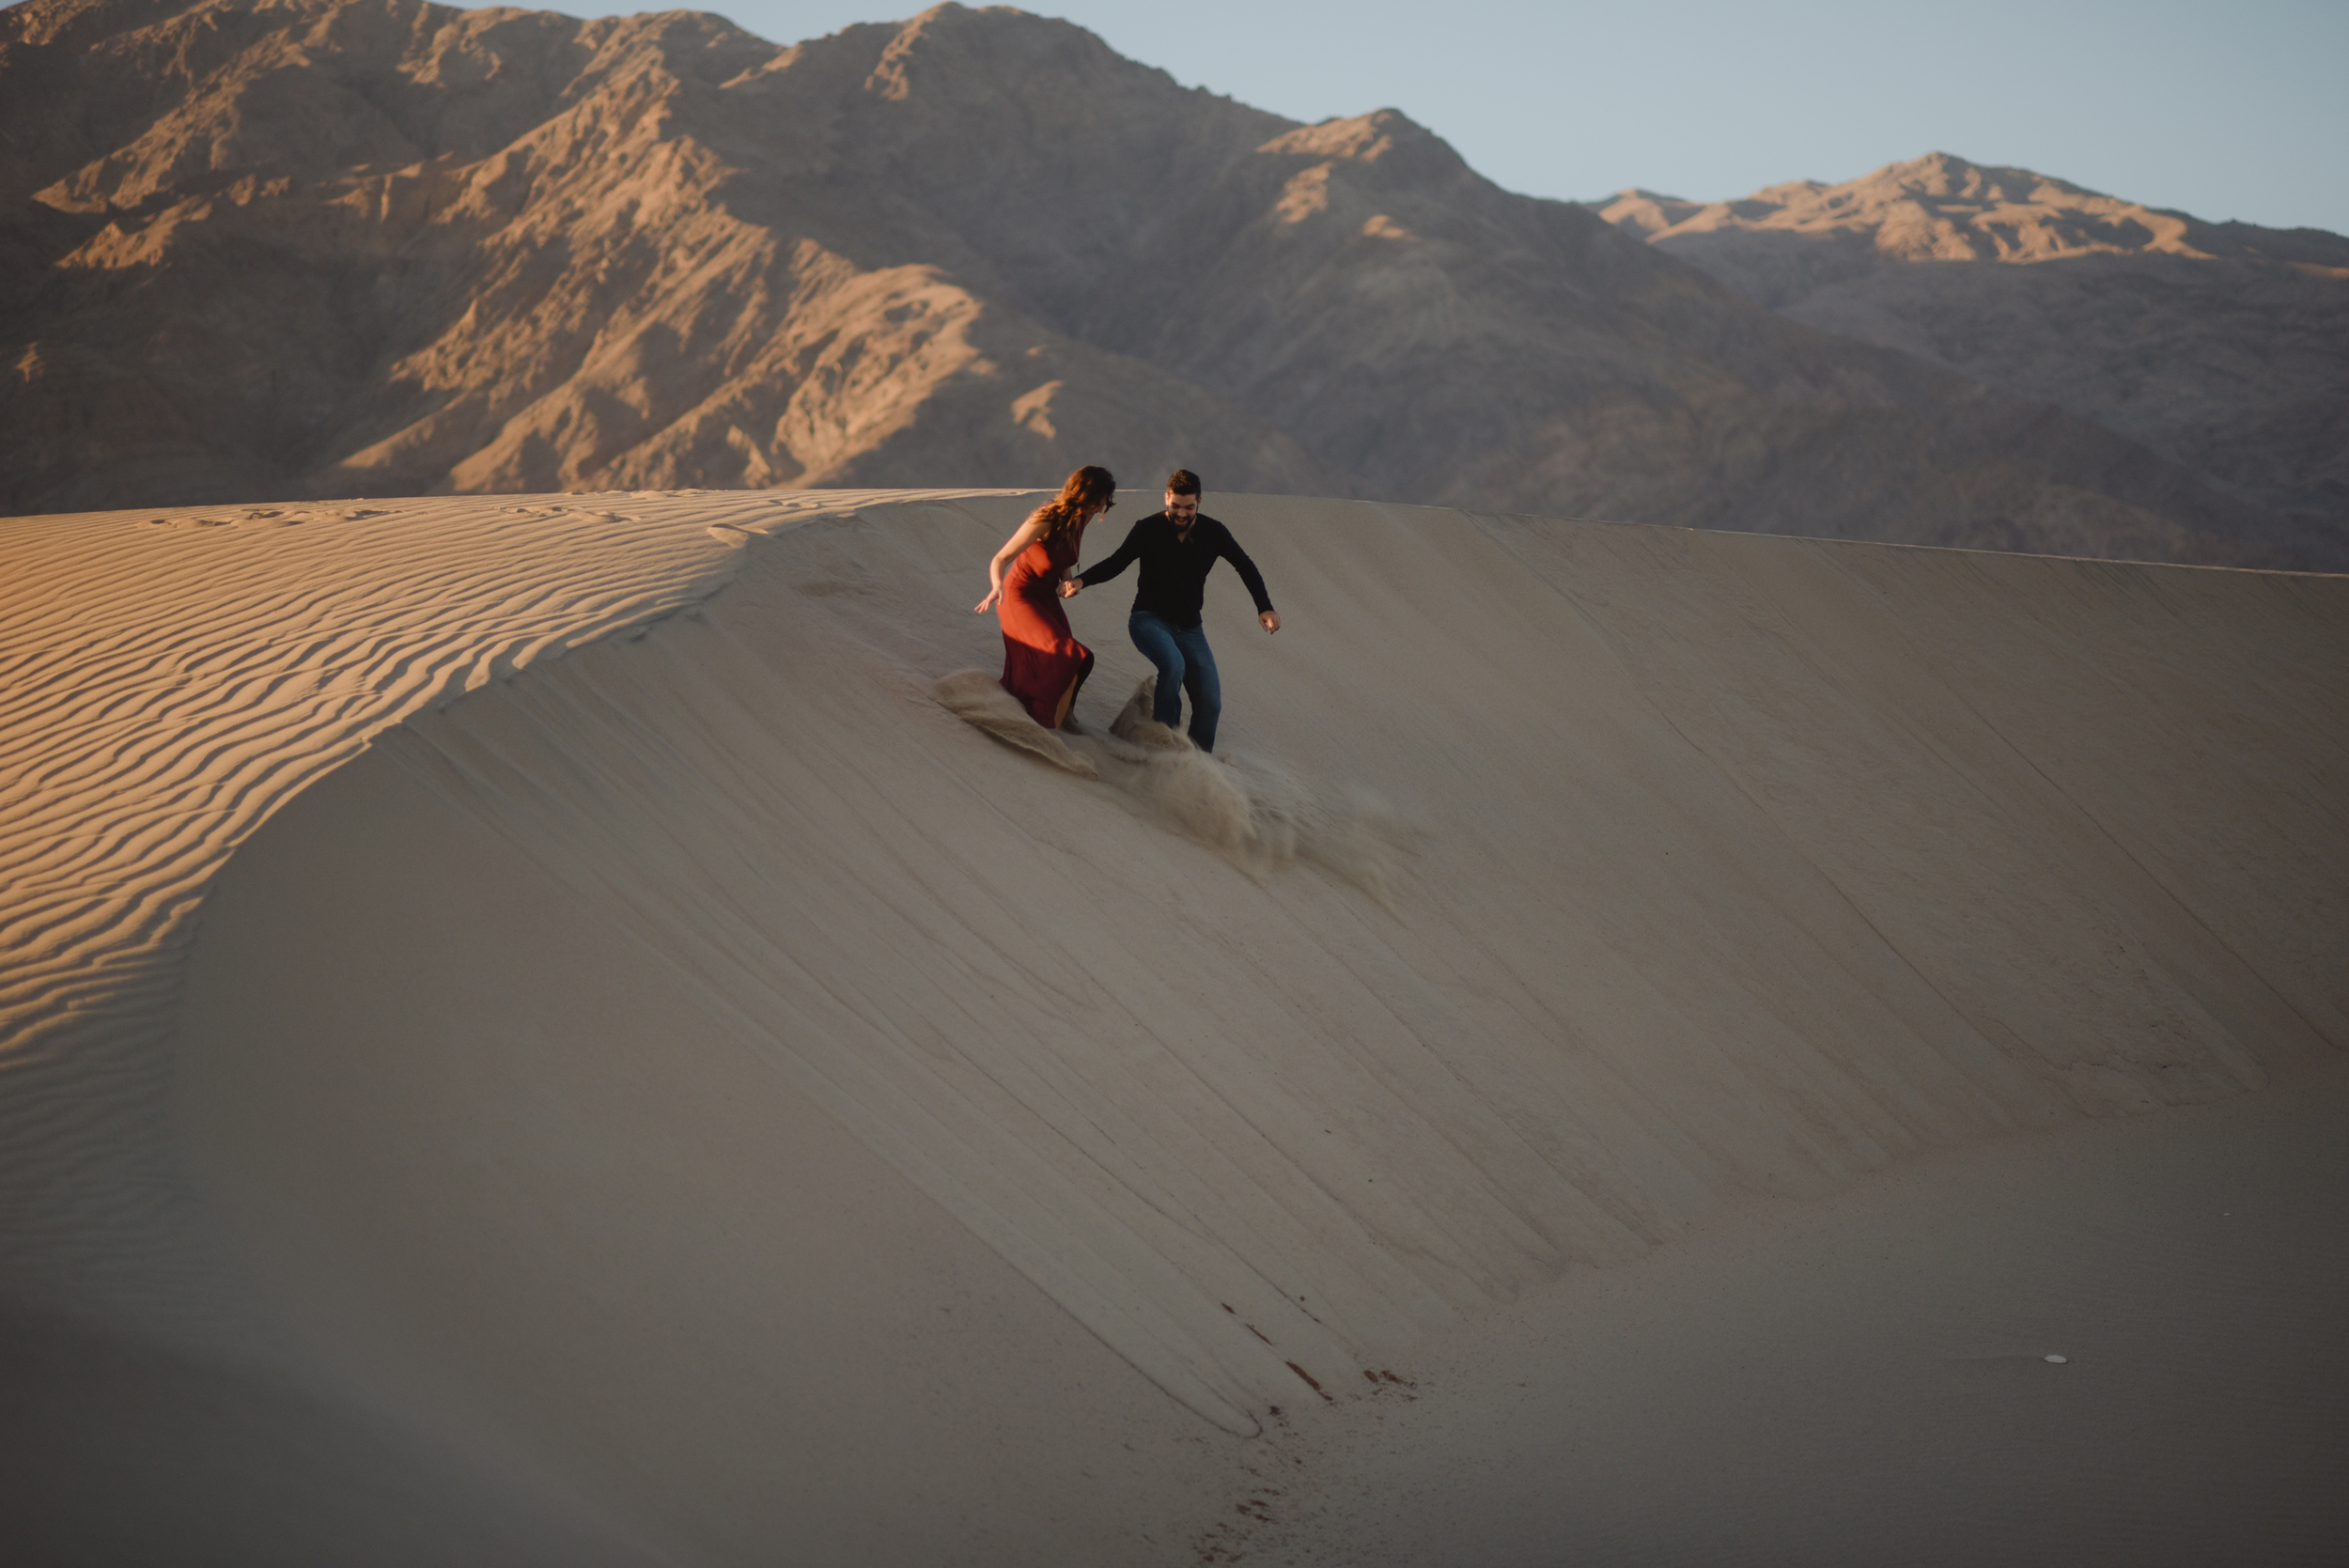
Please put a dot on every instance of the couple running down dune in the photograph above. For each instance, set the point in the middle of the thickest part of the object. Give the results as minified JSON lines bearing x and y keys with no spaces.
{"x":1043,"y":664}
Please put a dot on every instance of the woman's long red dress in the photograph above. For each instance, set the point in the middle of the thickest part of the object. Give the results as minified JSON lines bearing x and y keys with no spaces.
{"x":1042,"y":659}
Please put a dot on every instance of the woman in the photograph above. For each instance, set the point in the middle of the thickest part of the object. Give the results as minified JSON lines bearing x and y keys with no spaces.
{"x":1043,"y":664}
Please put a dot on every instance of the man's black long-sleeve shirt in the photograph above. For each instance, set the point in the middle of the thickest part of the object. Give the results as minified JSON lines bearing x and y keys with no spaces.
{"x":1174,"y":569}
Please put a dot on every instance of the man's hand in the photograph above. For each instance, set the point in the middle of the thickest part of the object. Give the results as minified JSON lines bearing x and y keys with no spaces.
{"x":1269,"y":621}
{"x":1070,"y":588}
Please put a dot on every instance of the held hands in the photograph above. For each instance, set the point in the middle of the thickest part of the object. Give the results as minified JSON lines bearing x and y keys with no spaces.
{"x":1269,"y":620}
{"x":1071,"y":586}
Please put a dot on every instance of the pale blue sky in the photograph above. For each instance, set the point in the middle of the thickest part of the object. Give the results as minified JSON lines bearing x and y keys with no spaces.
{"x":2225,"y":110}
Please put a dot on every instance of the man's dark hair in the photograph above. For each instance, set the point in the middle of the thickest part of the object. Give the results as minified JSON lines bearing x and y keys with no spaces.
{"x":1182,"y":482}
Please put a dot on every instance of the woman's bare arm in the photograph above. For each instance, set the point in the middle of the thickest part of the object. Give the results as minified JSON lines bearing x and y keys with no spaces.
{"x":1020,"y":539}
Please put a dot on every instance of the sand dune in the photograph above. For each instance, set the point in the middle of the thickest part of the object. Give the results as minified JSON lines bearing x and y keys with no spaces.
{"x":175,"y":676}
{"x":547,"y":985}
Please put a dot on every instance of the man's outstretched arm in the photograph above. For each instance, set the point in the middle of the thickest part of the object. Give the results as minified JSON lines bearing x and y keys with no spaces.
{"x":1267,"y":617}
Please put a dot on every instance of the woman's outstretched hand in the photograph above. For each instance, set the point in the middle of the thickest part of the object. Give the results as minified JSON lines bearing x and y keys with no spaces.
{"x":1022,"y":537}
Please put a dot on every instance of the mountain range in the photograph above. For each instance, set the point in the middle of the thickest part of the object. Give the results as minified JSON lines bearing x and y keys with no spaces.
{"x":2222,"y":347}
{"x":290,"y":249}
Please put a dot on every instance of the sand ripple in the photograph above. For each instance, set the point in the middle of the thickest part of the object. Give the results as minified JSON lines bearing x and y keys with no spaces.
{"x":167,"y":680}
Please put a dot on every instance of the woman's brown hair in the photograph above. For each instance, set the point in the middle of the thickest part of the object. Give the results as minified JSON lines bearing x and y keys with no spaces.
{"x":1083,"y":490}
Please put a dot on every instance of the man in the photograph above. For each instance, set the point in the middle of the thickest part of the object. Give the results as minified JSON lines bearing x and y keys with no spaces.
{"x":1178,"y":548}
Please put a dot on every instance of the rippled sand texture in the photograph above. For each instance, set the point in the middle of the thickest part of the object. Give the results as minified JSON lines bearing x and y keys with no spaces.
{"x":704,"y":1070}
{"x":171,"y":679}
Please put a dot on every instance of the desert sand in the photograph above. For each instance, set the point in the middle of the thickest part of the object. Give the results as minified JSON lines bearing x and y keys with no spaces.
{"x":534,"y":1034}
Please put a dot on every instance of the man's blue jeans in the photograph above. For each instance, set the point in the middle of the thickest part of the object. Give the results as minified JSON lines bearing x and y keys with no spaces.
{"x":1186,"y":663}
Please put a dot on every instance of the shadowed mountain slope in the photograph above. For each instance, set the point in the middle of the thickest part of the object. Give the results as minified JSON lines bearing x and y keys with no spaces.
{"x":333,"y":247}
{"x":2223,"y":347}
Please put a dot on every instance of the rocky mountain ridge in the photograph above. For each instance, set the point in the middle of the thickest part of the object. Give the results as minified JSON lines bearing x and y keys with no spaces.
{"x":302,"y":248}
{"x":2224,"y":347}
